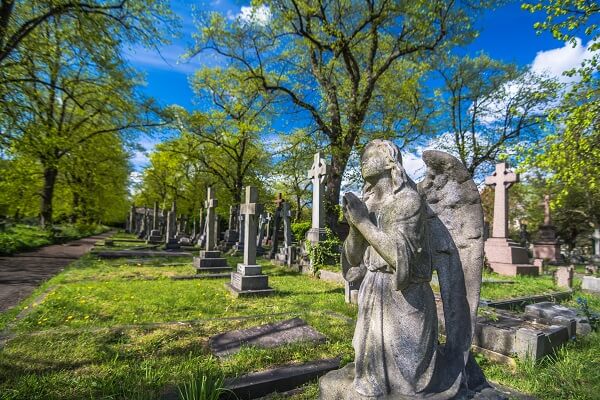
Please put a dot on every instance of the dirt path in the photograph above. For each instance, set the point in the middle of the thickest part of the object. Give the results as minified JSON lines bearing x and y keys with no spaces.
{"x":22,"y":273}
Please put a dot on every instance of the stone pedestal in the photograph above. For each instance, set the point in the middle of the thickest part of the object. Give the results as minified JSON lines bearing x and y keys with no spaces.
{"x":506,"y":257}
{"x":249,"y":281}
{"x":547,"y":246}
{"x":316,"y":235}
{"x":155,"y":237}
{"x":351,"y":292}
{"x":211,"y":262}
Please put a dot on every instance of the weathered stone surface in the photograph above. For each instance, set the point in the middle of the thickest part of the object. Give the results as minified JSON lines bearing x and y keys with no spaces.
{"x":520,"y":302}
{"x":563,"y":277}
{"x":555,"y":314}
{"x":330,"y":276}
{"x":201,"y":263}
{"x":591,"y":283}
{"x":280,"y":379}
{"x":397,"y":233}
{"x":266,"y":336}
{"x":318,"y":175}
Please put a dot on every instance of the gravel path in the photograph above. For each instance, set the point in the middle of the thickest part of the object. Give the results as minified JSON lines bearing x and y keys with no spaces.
{"x":22,"y":273}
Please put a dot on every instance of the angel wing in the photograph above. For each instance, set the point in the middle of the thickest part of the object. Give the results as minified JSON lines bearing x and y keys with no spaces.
{"x":455,"y":223}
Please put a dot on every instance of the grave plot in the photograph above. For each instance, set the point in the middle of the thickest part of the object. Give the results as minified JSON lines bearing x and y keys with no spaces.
{"x":119,"y":328}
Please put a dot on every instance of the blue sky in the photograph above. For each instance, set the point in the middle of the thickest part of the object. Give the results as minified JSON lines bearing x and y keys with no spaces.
{"x":506,"y":34}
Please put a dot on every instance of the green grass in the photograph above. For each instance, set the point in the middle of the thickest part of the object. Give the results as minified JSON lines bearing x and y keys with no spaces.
{"x":107,"y":329}
{"x":118,"y":329}
{"x":27,"y":237}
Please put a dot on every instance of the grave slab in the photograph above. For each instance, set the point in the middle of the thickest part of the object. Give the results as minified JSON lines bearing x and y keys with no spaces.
{"x":140,"y":253}
{"x":591,"y":284}
{"x":520,"y":302}
{"x":281,"y":379}
{"x":265,"y":336}
{"x":555,"y":314}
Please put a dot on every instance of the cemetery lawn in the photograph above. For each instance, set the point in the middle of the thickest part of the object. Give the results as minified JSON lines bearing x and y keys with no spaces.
{"x":108,"y":329}
{"x":122,"y":329}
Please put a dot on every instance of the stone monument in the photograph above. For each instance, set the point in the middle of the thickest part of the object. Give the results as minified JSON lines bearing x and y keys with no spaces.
{"x":318,"y":174}
{"x":563,"y":277}
{"x":596,"y":239}
{"x":131,"y":223}
{"x":249,"y":279}
{"x":171,"y":227}
{"x":276,"y":225}
{"x":399,"y":233}
{"x":155,"y":236}
{"x":504,"y":255}
{"x":210,"y":260}
{"x":547,"y":245}
{"x":262,"y":221}
{"x":231,"y":234}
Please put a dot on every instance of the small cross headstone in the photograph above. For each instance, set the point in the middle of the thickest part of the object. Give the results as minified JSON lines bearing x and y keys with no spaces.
{"x":249,"y":280}
{"x":211,"y":220}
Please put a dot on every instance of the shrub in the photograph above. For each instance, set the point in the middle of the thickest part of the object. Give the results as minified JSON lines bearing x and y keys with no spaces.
{"x":299,"y":229}
{"x":325,"y":252}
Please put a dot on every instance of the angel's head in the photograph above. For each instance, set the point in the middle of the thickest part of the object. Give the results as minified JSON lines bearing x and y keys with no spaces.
{"x":381,"y":158}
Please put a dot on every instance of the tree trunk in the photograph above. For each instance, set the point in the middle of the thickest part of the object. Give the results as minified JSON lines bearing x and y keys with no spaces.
{"x":50,"y":174}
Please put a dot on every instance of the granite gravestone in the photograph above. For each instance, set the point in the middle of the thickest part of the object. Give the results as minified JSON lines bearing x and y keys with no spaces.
{"x":154,"y":236}
{"x":399,"y":233}
{"x":249,"y":279}
{"x":504,"y":255}
{"x":276,"y":225}
{"x":171,"y":227}
{"x":596,"y":239}
{"x":547,"y":246}
{"x":210,"y":260}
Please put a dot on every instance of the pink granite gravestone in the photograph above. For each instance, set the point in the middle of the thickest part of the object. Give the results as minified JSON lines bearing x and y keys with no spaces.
{"x":563,"y":277}
{"x":547,"y":245}
{"x":505,"y":256}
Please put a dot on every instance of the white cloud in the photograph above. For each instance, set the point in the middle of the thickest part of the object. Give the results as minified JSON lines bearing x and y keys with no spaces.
{"x":413,"y":165}
{"x":169,"y":58}
{"x":556,"y":61}
{"x":252,"y":15}
{"x":140,"y":158}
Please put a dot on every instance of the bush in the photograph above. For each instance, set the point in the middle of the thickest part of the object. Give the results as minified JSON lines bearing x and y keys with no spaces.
{"x":325,"y":252}
{"x":299,"y":229}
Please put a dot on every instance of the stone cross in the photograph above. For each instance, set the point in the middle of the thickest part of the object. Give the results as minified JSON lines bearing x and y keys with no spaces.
{"x":287,"y":226}
{"x":547,"y":217}
{"x":276,"y":224}
{"x":501,"y":180}
{"x":170,"y":225}
{"x":210,"y":204}
{"x":132,"y":219}
{"x":250,"y":210}
{"x":262,"y":220}
{"x":318,"y":174}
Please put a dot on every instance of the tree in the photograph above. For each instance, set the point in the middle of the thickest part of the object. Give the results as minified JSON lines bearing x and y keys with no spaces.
{"x":570,"y":156}
{"x":225,"y":139}
{"x":487,"y":107}
{"x":47,"y":124}
{"x":328,"y":59}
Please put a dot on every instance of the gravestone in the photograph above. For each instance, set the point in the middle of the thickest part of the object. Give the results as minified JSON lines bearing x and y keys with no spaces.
{"x":239,"y":245}
{"x":262,"y":221}
{"x":590,"y":283}
{"x":210,"y":260}
{"x":563,"y":277}
{"x":249,"y":279}
{"x":267,"y":238}
{"x":504,"y":255}
{"x":596,"y":239}
{"x":232,"y":233}
{"x":132,"y":219}
{"x":547,"y":245}
{"x":276,"y":225}
{"x":549,"y":313}
{"x":318,"y":174}
{"x":201,"y":229}
{"x":287,"y":253}
{"x":171,"y":227}
{"x":591,"y":269}
{"x":539,"y":264}
{"x":264,"y":336}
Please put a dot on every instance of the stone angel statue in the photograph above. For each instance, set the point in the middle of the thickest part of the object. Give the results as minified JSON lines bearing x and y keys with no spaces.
{"x":400,"y":233}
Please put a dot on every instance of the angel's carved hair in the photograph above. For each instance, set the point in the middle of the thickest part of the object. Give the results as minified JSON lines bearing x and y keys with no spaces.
{"x":399,"y":177}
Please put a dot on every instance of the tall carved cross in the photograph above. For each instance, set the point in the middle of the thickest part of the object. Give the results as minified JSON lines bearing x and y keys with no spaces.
{"x":250,"y":210}
{"x":211,"y":231}
{"x":501,"y":180}
{"x":547,"y":217}
{"x":318,"y":174}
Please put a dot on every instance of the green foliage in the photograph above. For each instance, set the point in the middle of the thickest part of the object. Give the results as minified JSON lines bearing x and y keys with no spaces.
{"x":593,"y":318}
{"x":26,"y":237}
{"x":324,"y":252}
{"x":203,"y":386}
{"x":299,"y":229}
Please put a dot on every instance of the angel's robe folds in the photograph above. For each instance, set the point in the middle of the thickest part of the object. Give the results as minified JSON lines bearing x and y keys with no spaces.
{"x":396,"y":332}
